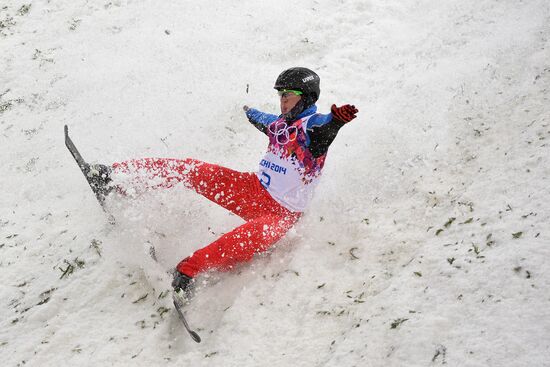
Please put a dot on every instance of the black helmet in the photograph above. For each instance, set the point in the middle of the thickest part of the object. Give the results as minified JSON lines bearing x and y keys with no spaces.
{"x":302,"y":79}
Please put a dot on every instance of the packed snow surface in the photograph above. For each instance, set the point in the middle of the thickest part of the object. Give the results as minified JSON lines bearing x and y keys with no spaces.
{"x":428,"y":241}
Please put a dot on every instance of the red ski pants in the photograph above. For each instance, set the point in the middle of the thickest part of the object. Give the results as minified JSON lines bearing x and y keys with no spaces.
{"x":241,"y":193}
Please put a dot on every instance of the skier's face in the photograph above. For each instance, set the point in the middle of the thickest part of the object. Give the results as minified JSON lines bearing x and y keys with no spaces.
{"x":288,"y":101}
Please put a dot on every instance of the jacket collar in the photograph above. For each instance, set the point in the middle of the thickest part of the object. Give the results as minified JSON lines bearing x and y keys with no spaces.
{"x":308,"y":111}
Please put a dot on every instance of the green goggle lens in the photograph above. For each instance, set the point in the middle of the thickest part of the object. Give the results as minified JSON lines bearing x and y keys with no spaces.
{"x":287,"y":92}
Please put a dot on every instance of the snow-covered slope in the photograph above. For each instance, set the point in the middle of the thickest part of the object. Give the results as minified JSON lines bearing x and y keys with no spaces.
{"x":427,"y":242}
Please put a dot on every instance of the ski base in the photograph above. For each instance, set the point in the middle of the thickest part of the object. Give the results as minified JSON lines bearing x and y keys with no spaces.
{"x":83,"y":165}
{"x":178,"y":305}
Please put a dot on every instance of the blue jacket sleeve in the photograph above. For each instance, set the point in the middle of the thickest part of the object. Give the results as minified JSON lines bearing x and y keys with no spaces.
{"x":260,"y":119}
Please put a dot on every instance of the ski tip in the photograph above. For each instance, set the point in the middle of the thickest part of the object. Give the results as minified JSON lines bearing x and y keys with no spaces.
{"x":195,"y":336}
{"x":178,"y":304}
{"x":66,"y":129}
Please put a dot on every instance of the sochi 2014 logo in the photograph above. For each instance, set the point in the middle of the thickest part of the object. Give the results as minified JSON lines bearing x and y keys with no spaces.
{"x":282,"y":132}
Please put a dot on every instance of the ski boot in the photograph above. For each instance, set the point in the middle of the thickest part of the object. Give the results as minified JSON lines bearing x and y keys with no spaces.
{"x":99,"y":177}
{"x":183,"y":285}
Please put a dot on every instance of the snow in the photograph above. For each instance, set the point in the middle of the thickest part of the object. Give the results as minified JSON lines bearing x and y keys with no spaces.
{"x":427,"y":242}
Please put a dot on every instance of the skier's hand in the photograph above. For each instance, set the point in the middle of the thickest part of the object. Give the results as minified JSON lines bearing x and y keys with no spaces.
{"x":246,"y":108}
{"x":345,"y":113}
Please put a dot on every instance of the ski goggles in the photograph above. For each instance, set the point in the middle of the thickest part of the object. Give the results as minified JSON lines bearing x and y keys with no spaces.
{"x":288,"y":92}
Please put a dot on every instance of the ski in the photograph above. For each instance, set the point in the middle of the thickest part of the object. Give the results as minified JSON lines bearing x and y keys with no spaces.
{"x":178,"y":305}
{"x":178,"y":299}
{"x":85,"y":169}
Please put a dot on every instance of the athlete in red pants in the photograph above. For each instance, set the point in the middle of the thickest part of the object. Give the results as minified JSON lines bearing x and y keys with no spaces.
{"x":240,"y":193}
{"x":270,"y":200}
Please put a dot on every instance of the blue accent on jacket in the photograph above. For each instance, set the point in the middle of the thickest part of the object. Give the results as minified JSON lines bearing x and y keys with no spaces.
{"x":320,"y":129}
{"x":265,"y":119}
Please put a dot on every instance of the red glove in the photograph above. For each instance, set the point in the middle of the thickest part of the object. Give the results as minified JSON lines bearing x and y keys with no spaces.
{"x":346,"y":113}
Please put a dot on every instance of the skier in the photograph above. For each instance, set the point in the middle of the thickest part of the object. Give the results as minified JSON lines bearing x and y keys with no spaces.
{"x":271,"y":200}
